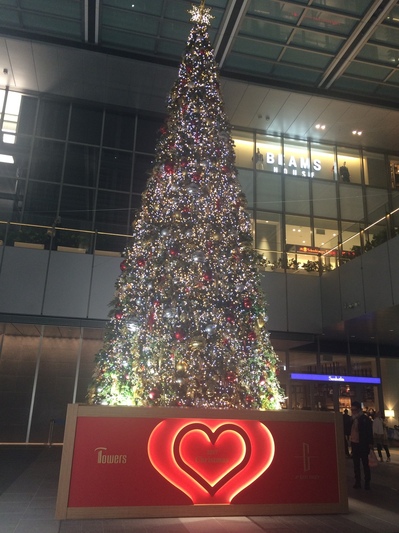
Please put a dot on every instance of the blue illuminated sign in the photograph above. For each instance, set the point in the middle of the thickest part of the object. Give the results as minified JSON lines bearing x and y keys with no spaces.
{"x":338,"y":379}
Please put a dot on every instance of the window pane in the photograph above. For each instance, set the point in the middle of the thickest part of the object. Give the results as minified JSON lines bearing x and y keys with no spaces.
{"x":112,"y":210}
{"x":142,"y":170}
{"x":375,"y":171}
{"x":298,"y":231}
{"x":351,"y":200}
{"x":271,"y":150}
{"x":377,"y":204}
{"x":81,"y":165}
{"x":244,"y":149}
{"x":268,"y":235}
{"x":268,"y":191}
{"x":55,"y":384}
{"x":394,"y":171}
{"x":47,"y":161}
{"x":350,"y":236}
{"x":325,"y":233}
{"x":19,"y":350}
{"x":115,"y":170}
{"x":349,"y":166}
{"x":323,"y":161}
{"x":27,"y":115}
{"x":86,"y":125}
{"x":297,"y":159}
{"x":41,"y":203}
{"x":77,"y":207}
{"x":147,"y":132}
{"x":297,"y":195}
{"x":246,"y":179}
{"x":53,"y":119}
{"x":119,"y":130}
{"x":324,"y":199}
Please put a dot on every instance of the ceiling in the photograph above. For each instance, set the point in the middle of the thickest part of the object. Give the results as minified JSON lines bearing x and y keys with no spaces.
{"x":285,"y":68}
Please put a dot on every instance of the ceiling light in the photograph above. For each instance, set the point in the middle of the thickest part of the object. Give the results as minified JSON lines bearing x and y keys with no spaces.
{"x":7,"y":138}
{"x":356,"y":132}
{"x":320,"y":126}
{"x":6,"y":159}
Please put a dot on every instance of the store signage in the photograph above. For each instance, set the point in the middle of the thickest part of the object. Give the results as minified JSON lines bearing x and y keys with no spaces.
{"x":296,"y":166}
{"x":342,"y":379}
{"x":125,"y":461}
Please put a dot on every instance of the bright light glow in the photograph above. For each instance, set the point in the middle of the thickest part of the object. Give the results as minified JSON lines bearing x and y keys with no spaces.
{"x":9,"y":139}
{"x":211,"y":461}
{"x":6,"y":159}
{"x":389,"y":413}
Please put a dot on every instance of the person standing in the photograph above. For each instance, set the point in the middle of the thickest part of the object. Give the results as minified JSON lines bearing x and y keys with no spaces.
{"x":361,"y":444}
{"x":347,"y":431}
{"x":380,"y":436}
{"x":344,"y":173}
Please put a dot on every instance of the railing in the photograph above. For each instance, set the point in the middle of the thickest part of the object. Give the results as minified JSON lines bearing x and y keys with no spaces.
{"x":62,"y":239}
{"x":355,"y":241}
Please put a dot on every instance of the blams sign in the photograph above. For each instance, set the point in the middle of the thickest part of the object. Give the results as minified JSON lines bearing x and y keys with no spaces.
{"x":296,"y":166}
{"x":135,"y":463}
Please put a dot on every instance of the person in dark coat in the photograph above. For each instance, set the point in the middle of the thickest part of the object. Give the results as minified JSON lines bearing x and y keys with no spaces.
{"x":361,"y":444}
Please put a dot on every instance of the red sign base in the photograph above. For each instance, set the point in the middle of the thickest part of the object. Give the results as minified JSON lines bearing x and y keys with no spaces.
{"x":121,"y":462}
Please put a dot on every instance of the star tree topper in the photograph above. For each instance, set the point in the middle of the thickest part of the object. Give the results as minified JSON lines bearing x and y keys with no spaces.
{"x":201,"y":14}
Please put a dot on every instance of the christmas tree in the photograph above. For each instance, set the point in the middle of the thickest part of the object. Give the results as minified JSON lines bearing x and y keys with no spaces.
{"x":188,"y":325}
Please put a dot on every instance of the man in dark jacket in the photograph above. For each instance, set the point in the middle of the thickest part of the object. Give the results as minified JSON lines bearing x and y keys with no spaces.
{"x":361,"y":444}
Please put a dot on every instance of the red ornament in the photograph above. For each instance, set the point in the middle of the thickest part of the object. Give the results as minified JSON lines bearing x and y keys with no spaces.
{"x":249,"y":399}
{"x":173,"y":252}
{"x":140,"y":261}
{"x":118,"y":316}
{"x":231,"y":376}
{"x":230,"y":319}
{"x":154,"y":394}
{"x":247,"y":303}
{"x":123,"y":266}
{"x":207,"y":276}
{"x":196,"y":176}
{"x":180,"y":334}
{"x":251,"y":336}
{"x":169,"y":168}
{"x":163,"y":130}
{"x":218,"y":204}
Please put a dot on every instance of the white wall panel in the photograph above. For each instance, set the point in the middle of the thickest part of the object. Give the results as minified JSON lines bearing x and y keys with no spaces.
{"x":68,"y":284}
{"x":304,"y":303}
{"x":105,"y":273}
{"x":22,"y":280}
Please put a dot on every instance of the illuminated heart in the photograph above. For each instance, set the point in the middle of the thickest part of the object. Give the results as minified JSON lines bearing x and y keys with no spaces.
{"x":210,"y":460}
{"x":212,"y":457}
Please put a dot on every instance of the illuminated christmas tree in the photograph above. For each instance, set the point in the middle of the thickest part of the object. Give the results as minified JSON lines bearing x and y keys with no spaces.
{"x":188,"y":325}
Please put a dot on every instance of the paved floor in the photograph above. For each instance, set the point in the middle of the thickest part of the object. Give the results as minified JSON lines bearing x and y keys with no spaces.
{"x":28,"y":491}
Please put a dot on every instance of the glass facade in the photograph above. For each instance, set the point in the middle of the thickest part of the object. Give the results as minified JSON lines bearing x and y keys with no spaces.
{"x":81,"y":165}
{"x":84,"y":168}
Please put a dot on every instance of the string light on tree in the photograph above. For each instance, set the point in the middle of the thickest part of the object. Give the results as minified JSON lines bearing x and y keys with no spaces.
{"x":187,"y":326}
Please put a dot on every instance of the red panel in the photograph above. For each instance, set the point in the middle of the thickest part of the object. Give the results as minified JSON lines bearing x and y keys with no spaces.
{"x":127,"y":462}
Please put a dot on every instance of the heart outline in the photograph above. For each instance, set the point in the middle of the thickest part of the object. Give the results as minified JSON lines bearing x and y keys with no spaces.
{"x":213,"y":436}
{"x":160,"y":454}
